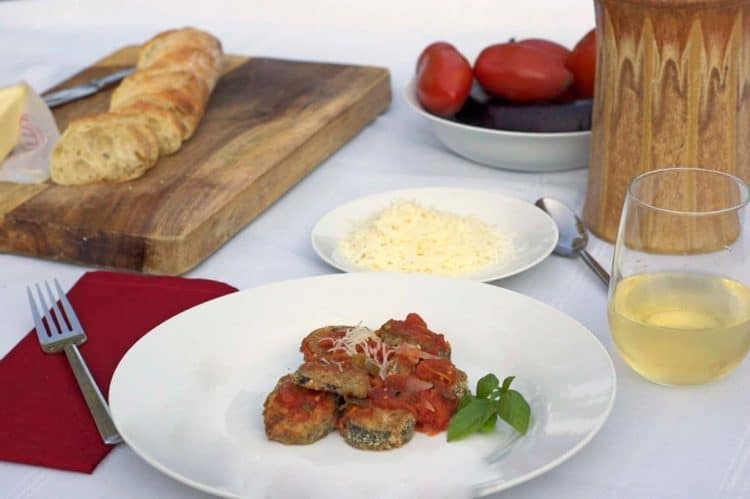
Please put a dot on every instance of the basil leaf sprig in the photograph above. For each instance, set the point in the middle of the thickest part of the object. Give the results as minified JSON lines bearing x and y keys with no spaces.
{"x":492,"y":400}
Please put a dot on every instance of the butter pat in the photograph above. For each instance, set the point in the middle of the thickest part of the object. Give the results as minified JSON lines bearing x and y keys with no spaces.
{"x":12,"y":104}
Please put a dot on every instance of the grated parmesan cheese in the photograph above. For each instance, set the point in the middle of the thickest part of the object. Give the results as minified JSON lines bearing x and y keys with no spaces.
{"x":409,"y":237}
{"x":360,"y":339}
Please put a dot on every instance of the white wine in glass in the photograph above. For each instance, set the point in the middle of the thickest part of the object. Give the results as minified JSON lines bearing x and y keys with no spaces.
{"x":679,"y":306}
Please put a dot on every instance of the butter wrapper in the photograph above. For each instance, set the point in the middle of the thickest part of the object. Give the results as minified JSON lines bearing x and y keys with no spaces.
{"x":28,"y":161}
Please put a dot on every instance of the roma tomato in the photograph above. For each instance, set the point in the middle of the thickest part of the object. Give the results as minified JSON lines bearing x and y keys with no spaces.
{"x":582,"y":63}
{"x":520,"y":73}
{"x":434,"y":46}
{"x":548,"y":46}
{"x":443,"y":79}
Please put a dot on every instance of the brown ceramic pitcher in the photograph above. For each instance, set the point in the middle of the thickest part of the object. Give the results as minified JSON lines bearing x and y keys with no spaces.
{"x":672,"y":89}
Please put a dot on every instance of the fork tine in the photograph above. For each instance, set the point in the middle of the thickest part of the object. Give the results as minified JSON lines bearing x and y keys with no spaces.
{"x":53,"y":329}
{"x":41,"y":332}
{"x":69,"y":312}
{"x":63,"y":326}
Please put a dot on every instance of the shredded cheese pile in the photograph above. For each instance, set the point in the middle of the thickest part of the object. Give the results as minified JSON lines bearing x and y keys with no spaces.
{"x":360,"y":339}
{"x":409,"y":237}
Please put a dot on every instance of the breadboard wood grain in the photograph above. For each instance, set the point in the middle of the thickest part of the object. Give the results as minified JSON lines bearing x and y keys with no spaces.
{"x":269,"y":123}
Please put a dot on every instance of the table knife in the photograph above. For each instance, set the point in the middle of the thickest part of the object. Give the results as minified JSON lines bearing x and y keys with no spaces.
{"x":91,"y":87}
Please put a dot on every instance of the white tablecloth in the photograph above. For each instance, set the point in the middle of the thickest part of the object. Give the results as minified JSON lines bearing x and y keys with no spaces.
{"x":658,"y":443}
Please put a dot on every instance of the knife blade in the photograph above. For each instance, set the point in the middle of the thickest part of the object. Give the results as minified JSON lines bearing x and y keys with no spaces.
{"x":82,"y":90}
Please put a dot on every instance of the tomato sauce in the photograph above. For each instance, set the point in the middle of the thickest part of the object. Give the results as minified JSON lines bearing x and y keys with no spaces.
{"x":431,"y":409}
{"x":299,"y":402}
{"x":414,"y":330}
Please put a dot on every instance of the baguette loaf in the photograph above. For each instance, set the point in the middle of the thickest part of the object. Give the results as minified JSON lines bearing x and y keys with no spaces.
{"x":103,"y":148}
{"x":181,"y":92}
{"x":151,"y":113}
{"x":168,"y":130}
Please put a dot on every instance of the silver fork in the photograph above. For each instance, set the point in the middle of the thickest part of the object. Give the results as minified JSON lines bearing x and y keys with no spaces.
{"x":55,"y":335}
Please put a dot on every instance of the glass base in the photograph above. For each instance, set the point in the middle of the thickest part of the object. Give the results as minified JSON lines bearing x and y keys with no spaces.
{"x":666,"y":381}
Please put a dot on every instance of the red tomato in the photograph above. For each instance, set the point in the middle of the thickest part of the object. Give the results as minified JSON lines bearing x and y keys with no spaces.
{"x":568,"y":96}
{"x":443,"y":79}
{"x":520,"y":73}
{"x":548,"y":46}
{"x":433,"y":47}
{"x":582,"y":63}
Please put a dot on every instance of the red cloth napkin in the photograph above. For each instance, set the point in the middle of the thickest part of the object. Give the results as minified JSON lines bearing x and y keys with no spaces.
{"x":43,"y":418}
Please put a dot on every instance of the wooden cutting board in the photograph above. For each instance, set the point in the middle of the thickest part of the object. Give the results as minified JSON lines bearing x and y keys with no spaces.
{"x":269,"y":122}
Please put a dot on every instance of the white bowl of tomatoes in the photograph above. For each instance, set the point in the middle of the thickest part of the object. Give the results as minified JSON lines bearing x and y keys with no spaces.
{"x":523,"y":106}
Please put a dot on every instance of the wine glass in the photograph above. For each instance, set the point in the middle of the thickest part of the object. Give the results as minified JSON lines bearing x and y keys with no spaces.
{"x":679,"y":299}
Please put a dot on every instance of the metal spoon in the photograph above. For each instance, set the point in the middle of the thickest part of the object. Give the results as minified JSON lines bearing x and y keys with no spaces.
{"x":573,"y":236}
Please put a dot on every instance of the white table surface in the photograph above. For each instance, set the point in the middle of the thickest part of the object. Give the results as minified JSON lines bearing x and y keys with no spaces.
{"x":658,"y":443}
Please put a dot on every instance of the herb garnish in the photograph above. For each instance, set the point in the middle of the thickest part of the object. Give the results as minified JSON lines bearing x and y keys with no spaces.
{"x":492,"y":400}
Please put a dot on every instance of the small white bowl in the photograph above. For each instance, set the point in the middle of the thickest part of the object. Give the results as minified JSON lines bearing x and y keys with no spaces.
{"x":518,"y":151}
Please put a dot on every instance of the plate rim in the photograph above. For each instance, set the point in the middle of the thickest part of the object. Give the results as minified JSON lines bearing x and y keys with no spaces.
{"x":408,"y":93}
{"x":496,"y":277}
{"x":485,"y":488}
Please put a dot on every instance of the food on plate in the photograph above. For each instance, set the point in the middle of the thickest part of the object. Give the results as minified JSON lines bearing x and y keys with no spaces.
{"x":294,"y":415}
{"x":414,"y":331}
{"x":349,"y":381}
{"x":541,"y":118}
{"x":12,"y":103}
{"x":492,"y":400}
{"x":372,"y":428}
{"x":384,"y":384}
{"x":316,"y":345}
{"x":443,"y":79}
{"x":161,"y":102}
{"x":409,"y":237}
{"x":521,"y":73}
{"x":582,"y":63}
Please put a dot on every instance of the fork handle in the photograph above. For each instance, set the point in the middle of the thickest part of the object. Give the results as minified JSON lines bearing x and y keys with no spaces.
{"x":94,"y":399}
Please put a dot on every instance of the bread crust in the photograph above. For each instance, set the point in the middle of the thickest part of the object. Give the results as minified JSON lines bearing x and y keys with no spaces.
{"x":152,"y":112}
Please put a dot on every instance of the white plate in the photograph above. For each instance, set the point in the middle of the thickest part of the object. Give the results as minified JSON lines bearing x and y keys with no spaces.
{"x":188,"y":396}
{"x":520,"y":151}
{"x":533,"y":233}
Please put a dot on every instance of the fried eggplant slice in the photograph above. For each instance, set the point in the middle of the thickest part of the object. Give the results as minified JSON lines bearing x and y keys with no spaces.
{"x":346,"y":380}
{"x":316,"y":344}
{"x":373,"y":428}
{"x":294,"y":415}
{"x":415,"y":332}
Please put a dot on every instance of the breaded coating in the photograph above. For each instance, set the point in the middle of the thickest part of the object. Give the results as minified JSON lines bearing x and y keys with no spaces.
{"x":373,"y":428}
{"x":294,"y":415}
{"x":316,"y":344}
{"x":347,"y":381}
